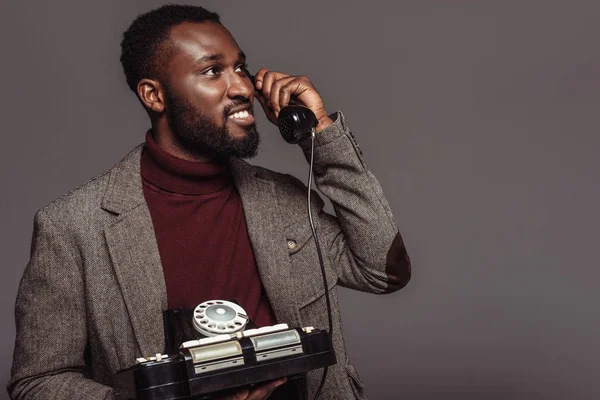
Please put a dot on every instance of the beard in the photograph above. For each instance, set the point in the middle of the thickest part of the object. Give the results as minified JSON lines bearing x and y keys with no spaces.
{"x":200,"y":135}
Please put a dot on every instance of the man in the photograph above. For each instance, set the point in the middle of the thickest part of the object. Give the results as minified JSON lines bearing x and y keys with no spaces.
{"x":182,"y":219}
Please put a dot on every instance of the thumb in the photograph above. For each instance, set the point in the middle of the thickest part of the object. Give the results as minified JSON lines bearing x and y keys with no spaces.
{"x":241,"y":394}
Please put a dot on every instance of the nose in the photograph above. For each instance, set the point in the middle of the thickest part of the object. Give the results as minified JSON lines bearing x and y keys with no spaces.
{"x":239,"y":86}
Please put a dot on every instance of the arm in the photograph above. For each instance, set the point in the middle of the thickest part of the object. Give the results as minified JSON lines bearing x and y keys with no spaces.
{"x":50,"y":317}
{"x":364,"y":243}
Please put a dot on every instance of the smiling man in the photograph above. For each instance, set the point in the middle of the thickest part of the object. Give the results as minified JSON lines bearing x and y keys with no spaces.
{"x":202,"y":106}
{"x":182,"y":219}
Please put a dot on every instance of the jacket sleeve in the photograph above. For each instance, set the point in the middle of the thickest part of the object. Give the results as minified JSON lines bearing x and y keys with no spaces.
{"x":50,"y":315}
{"x":365,"y":245}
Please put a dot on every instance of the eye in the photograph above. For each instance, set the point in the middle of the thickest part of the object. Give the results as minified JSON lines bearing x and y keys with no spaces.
{"x":212,"y":71}
{"x":241,"y":68}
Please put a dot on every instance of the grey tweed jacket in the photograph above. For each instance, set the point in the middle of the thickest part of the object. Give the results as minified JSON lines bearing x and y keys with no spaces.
{"x":91,"y":298}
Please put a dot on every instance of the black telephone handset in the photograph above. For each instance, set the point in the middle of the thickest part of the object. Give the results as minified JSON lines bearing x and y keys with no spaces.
{"x":296,"y":122}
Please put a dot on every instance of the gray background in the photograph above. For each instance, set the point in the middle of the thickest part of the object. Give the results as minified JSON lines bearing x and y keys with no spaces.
{"x":479,"y":118}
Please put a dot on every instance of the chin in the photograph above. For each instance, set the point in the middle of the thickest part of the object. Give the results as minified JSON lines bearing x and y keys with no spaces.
{"x":241,"y":132}
{"x":237,"y":131}
{"x":238,"y":135}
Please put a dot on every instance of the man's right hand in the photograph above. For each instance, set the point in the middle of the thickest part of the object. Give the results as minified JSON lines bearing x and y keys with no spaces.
{"x":260,"y":392}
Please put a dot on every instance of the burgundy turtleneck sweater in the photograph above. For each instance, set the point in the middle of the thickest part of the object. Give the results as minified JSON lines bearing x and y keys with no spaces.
{"x":201,"y":233}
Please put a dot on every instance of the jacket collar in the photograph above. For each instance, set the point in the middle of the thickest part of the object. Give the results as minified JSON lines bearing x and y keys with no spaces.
{"x":125,"y":190}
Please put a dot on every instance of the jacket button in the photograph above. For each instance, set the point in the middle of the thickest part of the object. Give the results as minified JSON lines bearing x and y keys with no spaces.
{"x":292,"y":244}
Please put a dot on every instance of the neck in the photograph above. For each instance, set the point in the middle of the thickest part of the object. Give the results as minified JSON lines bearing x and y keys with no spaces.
{"x":167,"y":141}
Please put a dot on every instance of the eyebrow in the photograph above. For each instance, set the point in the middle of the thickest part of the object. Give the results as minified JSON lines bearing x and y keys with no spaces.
{"x":218,"y":57}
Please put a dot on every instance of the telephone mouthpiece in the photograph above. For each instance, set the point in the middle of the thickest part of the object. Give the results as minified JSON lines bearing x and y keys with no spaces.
{"x":296,"y":123}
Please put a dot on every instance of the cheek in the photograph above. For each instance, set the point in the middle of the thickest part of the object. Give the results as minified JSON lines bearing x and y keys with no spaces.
{"x":210,"y":92}
{"x":209,"y":100}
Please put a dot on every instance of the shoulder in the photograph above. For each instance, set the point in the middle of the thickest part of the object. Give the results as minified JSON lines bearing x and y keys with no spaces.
{"x":84,"y":203}
{"x":244,"y":170}
{"x":81,"y":201}
{"x":290,"y":190}
{"x":284,"y":181}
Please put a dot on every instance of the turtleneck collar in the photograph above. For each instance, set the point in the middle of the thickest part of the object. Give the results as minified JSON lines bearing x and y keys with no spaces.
{"x":176,"y":175}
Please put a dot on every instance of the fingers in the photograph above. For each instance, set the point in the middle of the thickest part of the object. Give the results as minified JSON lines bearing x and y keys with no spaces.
{"x":241,"y":394}
{"x":261,"y":392}
{"x":270,"y":85}
{"x":266,"y":107}
{"x":264,"y":391}
{"x":278,"y":94}
{"x":274,"y":89}
{"x":260,"y":77}
{"x":267,"y":88}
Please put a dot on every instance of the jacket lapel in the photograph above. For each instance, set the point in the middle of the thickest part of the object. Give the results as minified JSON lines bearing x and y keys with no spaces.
{"x":134,"y":253}
{"x":265,"y":222}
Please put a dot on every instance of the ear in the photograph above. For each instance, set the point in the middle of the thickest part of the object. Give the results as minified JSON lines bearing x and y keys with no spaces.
{"x":151,"y":95}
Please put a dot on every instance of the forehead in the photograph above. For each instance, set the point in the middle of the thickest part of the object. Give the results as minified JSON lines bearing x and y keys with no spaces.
{"x":192,"y":41}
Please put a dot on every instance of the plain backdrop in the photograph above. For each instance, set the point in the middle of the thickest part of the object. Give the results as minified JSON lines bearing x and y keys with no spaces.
{"x":480,"y":119}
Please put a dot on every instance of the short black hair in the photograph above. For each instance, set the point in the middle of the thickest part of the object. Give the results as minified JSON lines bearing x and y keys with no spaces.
{"x":142,"y":41}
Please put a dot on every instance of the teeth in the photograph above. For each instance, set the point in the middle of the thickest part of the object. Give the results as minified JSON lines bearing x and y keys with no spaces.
{"x":241,"y":114}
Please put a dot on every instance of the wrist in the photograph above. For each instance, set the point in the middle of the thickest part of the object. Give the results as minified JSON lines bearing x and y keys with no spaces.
{"x":324,"y":123}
